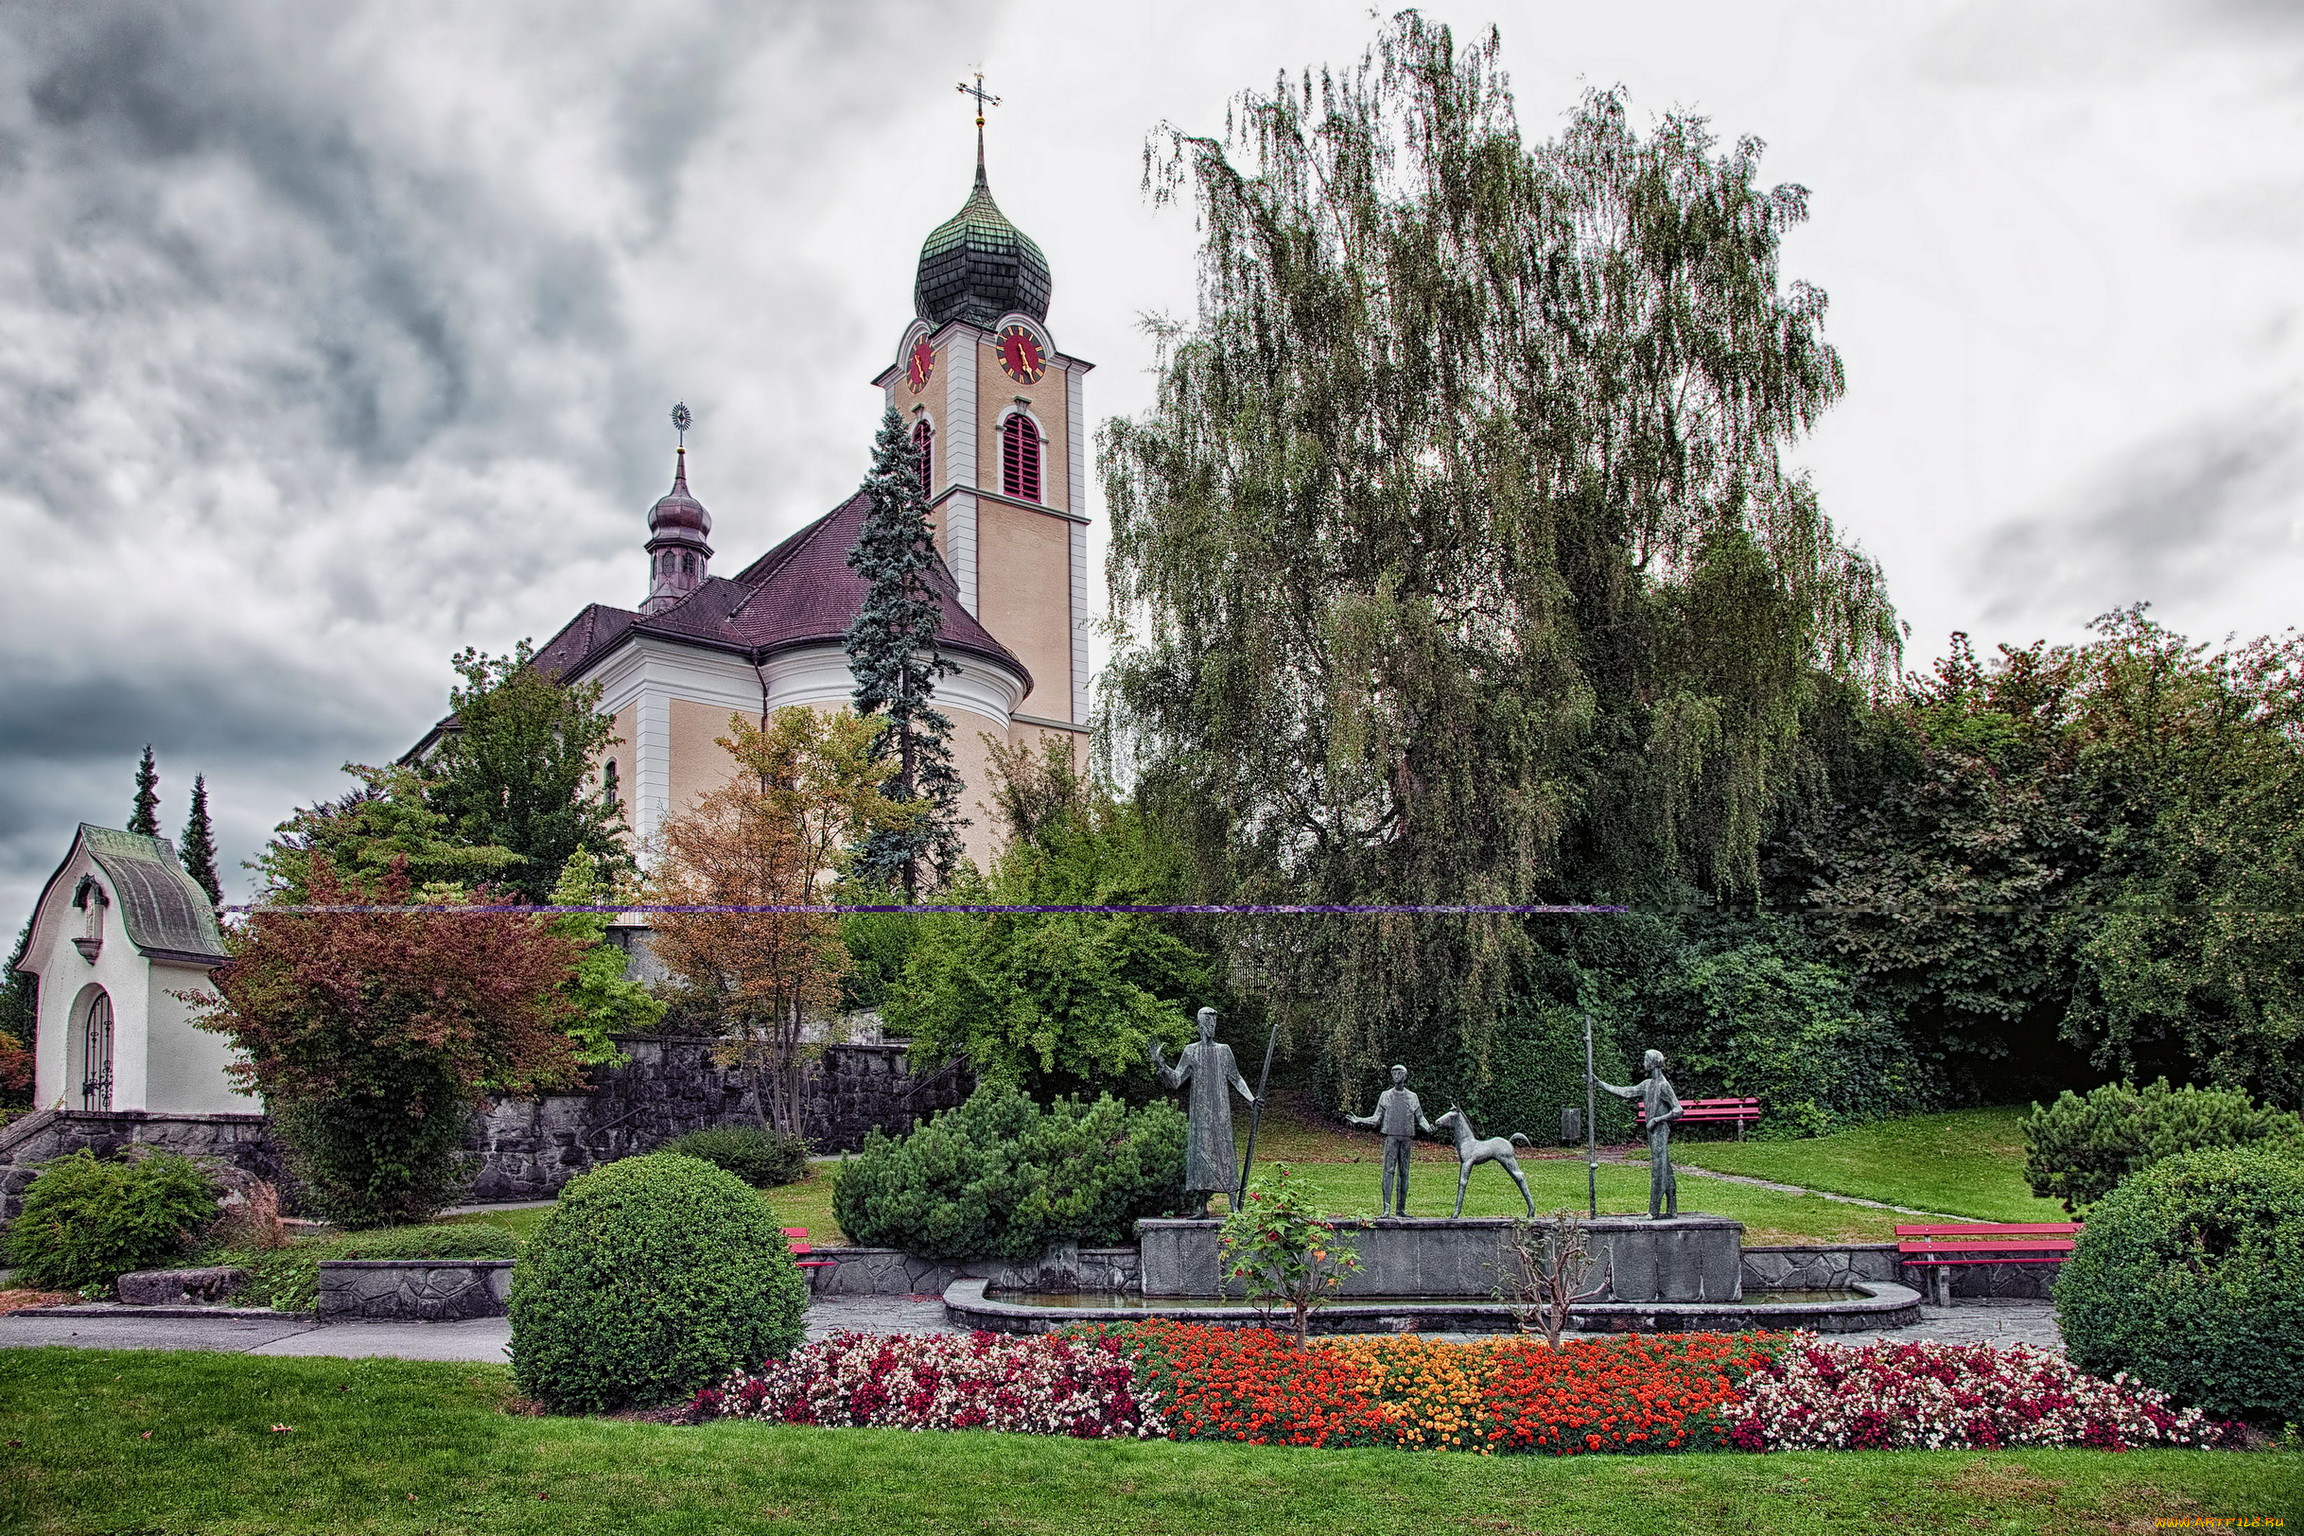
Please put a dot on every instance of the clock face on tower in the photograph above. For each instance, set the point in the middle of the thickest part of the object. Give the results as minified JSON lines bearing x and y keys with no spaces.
{"x":1020,"y":355}
{"x":920,"y":366}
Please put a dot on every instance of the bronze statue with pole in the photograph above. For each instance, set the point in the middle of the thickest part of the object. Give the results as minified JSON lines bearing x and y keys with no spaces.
{"x":1207,"y":1068}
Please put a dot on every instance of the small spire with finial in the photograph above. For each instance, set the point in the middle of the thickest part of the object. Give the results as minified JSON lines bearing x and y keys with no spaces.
{"x":984,"y":99}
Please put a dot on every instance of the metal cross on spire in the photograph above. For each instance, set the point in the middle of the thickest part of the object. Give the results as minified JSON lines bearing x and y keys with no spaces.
{"x":984,"y":99}
{"x":680,"y":421}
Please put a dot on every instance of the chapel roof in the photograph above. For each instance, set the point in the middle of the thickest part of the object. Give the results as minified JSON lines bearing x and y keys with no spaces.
{"x":167,"y":916}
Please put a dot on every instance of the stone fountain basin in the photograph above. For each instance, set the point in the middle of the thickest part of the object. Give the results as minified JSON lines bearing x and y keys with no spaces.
{"x":1866,"y":1305}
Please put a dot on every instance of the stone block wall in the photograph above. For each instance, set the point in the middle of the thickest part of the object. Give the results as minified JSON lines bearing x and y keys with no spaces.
{"x":242,"y":1141}
{"x":1822,"y":1268}
{"x":528,"y":1148}
{"x":414,"y":1290}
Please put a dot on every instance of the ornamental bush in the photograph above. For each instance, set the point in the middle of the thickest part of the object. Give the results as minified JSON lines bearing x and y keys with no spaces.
{"x":651,"y":1278}
{"x":760,"y":1157}
{"x":2190,"y":1278}
{"x":2078,"y":1149}
{"x":87,"y":1220}
{"x":1000,"y":1177}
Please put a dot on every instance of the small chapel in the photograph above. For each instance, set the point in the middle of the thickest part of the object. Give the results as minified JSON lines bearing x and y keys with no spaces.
{"x":997,"y":427}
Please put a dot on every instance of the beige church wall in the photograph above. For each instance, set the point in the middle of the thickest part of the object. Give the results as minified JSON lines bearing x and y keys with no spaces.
{"x":1046,"y":399}
{"x":699,"y":763}
{"x":625,"y":755}
{"x":1024,"y":596}
{"x":972,"y":759}
{"x":184,"y":1065}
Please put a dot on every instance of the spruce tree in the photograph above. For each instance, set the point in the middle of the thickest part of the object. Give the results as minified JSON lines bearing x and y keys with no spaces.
{"x":199,"y":846}
{"x":145,"y":817}
{"x":893,"y":654}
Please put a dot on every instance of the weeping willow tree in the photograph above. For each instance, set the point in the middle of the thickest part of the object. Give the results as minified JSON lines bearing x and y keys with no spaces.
{"x":1458,"y":557}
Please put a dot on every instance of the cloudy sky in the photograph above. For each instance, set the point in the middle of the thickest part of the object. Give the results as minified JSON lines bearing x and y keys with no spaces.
{"x":335,"y":337}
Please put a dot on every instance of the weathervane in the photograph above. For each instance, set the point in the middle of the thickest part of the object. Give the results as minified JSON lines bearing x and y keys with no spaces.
{"x":680,"y":421}
{"x":984,"y":99}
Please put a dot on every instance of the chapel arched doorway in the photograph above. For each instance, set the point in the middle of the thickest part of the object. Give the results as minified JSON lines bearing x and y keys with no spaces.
{"x":92,"y":1050}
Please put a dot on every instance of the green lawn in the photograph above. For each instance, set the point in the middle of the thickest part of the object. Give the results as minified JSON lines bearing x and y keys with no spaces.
{"x":1351,"y":1189}
{"x":1966,"y":1163}
{"x":402,"y":1446}
{"x":805,"y":1204}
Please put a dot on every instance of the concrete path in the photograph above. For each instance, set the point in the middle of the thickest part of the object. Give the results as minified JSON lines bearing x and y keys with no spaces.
{"x":482,"y":1338}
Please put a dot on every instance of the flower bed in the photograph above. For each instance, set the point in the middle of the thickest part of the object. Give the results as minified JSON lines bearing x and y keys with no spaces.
{"x":1044,"y":1385}
{"x":1634,"y":1392}
{"x":1874,"y":1396}
{"x":1628,"y":1393}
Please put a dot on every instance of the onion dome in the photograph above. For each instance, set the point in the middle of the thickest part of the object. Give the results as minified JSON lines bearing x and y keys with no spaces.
{"x":977,"y":266}
{"x":677,"y":552}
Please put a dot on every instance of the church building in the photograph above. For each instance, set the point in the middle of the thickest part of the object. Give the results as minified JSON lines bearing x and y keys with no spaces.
{"x":998,"y":425}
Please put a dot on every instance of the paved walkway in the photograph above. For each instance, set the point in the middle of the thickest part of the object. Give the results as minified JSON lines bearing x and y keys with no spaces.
{"x":487,"y":1338}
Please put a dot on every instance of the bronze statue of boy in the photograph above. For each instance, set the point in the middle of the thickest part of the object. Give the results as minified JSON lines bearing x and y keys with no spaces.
{"x":1399,"y":1116}
{"x":1660,"y":1106}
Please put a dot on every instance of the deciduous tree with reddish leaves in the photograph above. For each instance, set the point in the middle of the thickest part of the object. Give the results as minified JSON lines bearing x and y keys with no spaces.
{"x":372,"y":1035}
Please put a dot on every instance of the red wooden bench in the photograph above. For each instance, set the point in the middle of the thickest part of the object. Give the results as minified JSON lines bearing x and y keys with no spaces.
{"x":797,"y":1239}
{"x":1743,"y":1112}
{"x":1937,"y":1249}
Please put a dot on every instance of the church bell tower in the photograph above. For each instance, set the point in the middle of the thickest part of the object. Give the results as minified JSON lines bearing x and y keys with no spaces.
{"x":997,"y":422}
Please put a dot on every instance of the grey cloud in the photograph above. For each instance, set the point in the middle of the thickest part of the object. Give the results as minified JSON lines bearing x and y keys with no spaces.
{"x":2167,"y":524}
{"x":318,"y":353}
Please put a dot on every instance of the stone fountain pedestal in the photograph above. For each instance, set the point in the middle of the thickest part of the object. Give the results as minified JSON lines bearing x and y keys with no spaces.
{"x":1689,"y":1258}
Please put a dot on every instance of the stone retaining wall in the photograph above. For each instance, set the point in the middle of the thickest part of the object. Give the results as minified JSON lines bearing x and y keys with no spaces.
{"x":243,"y":1141}
{"x":529,"y":1148}
{"x":892,"y":1272}
{"x":1827,"y":1268}
{"x":420,"y":1290}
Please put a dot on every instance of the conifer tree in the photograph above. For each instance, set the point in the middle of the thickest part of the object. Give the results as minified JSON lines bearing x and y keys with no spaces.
{"x":145,"y":817}
{"x":893,"y":654}
{"x":199,"y":846}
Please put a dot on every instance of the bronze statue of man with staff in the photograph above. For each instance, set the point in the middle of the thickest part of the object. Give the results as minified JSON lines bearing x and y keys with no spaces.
{"x":1208,"y":1068}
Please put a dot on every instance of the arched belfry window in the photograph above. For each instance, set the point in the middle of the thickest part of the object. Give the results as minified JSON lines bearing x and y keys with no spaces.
{"x":924,"y":451}
{"x":609,"y":789}
{"x":1020,"y":458}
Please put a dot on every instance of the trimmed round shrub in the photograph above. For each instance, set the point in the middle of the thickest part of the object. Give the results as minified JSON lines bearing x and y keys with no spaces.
{"x":760,"y":1157}
{"x":87,"y":1220}
{"x":2190,"y":1277}
{"x":651,"y":1278}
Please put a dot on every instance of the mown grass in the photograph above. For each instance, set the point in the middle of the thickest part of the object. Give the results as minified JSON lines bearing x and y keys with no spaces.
{"x":117,"y":1442}
{"x":1969,"y":1162}
{"x":1345,"y":1169}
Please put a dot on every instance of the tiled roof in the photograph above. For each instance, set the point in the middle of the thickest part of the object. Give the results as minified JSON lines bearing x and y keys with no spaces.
{"x":799,"y":593}
{"x":976,"y":266}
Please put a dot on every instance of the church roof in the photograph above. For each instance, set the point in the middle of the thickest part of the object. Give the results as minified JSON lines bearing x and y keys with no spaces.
{"x":799,"y":593}
{"x":166,"y":915}
{"x":976,"y":266}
